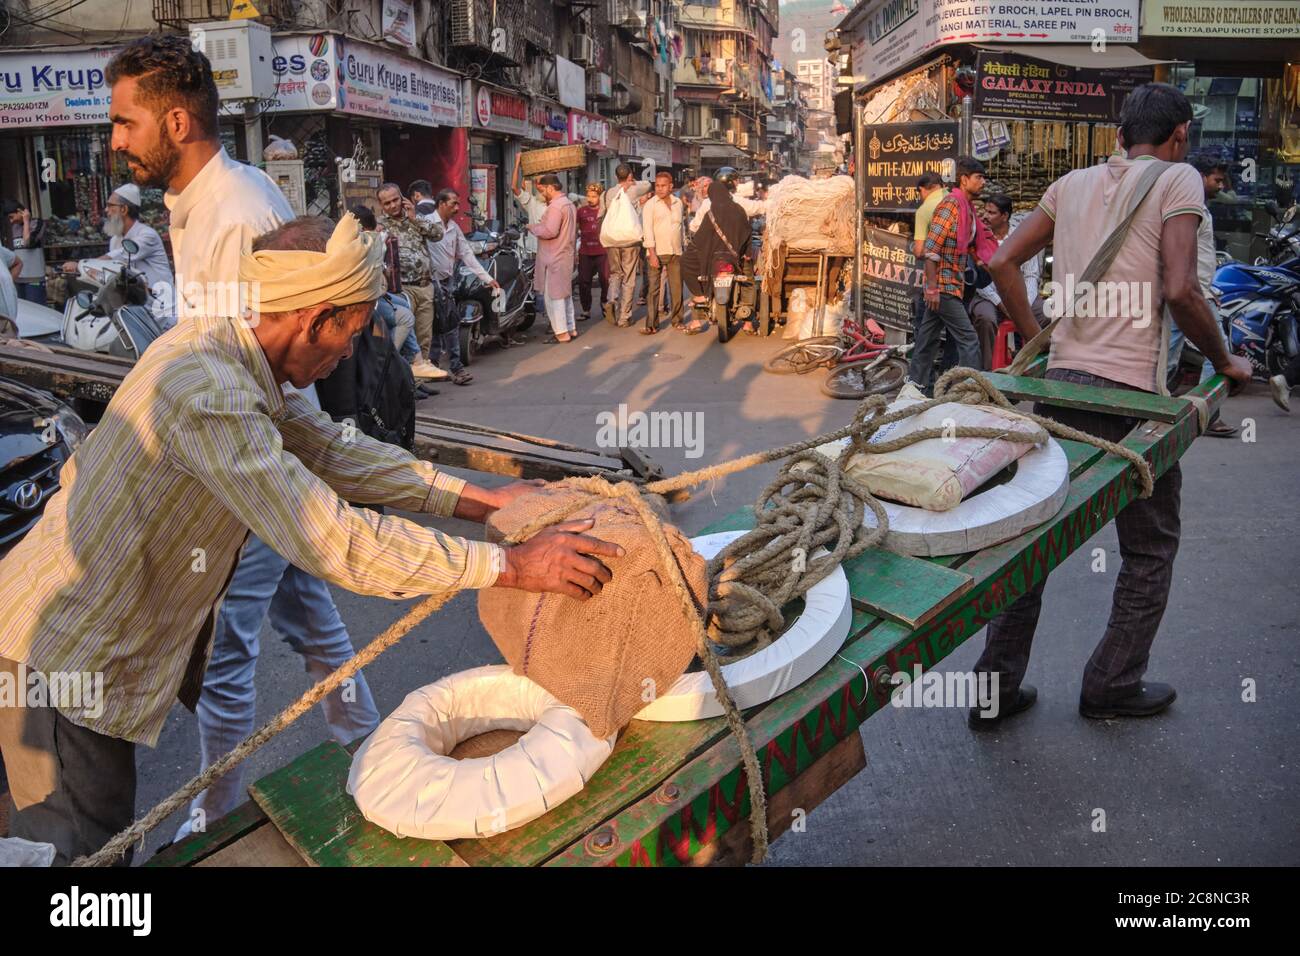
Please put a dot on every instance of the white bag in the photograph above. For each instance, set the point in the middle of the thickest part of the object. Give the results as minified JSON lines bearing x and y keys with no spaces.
{"x":622,"y":225}
{"x":18,"y":852}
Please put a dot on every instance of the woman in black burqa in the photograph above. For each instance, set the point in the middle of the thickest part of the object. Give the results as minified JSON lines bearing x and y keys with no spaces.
{"x":724,"y":233}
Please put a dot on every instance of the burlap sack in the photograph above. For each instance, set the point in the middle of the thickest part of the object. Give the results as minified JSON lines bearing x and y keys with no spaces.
{"x":608,"y":656}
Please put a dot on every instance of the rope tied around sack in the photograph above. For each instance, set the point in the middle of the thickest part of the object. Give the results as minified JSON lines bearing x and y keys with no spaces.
{"x":750,"y":580}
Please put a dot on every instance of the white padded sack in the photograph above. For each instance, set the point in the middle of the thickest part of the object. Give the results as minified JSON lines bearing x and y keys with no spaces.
{"x":403,"y":780}
{"x":807,"y":644}
{"x":622,"y":223}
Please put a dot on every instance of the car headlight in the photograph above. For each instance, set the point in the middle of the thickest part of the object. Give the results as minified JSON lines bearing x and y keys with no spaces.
{"x":71,"y":428}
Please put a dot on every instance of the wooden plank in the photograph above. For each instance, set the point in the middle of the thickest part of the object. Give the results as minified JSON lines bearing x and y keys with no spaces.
{"x":827,"y":774}
{"x":903,"y":588}
{"x":423,"y":418}
{"x":793,"y":731}
{"x":235,"y":825}
{"x":1108,"y":401}
{"x":264,"y":846}
{"x":308,"y":803}
{"x":506,"y":443}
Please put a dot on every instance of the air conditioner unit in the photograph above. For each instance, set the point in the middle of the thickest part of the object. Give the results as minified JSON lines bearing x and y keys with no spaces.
{"x":744,"y":141}
{"x":599,"y":86}
{"x":715,"y":127}
{"x":582,"y":49}
{"x":240,"y":54}
{"x":731,"y":136}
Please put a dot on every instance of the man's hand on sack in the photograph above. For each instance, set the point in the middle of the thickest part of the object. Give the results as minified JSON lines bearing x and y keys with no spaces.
{"x":556,"y":560}
{"x":477,"y":504}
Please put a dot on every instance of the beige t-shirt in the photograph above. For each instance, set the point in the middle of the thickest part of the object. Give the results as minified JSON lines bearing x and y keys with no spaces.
{"x":1115,"y":333}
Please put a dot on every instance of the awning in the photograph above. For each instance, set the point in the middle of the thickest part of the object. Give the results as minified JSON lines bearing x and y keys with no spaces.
{"x":698,"y":94}
{"x":1081,"y":56}
{"x":722,"y":151}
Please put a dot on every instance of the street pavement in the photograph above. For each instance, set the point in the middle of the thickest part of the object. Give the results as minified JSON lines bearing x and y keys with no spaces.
{"x":1212,"y":781}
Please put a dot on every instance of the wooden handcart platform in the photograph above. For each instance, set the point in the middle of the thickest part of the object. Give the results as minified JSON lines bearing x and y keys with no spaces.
{"x":675,"y":794}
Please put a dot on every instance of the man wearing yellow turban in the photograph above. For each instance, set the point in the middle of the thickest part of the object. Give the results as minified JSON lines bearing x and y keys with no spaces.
{"x":123,"y":575}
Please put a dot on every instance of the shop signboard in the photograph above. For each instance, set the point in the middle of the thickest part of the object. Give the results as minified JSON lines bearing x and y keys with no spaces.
{"x":892,"y":34}
{"x":306,"y":73}
{"x":548,"y":123}
{"x":375,"y":82}
{"x":54,"y":89}
{"x":897,"y":155}
{"x":500,"y":111}
{"x":653,"y":148}
{"x":892,"y":277}
{"x":1215,"y":18}
{"x":1017,"y":86}
{"x":588,"y":129}
{"x":570,"y":83}
{"x":399,"y":22}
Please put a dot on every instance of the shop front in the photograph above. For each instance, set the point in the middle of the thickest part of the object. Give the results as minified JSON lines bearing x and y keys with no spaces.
{"x":55,"y":147}
{"x":1239,"y":64}
{"x":503,"y":126}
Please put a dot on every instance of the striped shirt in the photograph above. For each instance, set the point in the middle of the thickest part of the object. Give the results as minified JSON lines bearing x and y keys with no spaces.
{"x":125,"y":570}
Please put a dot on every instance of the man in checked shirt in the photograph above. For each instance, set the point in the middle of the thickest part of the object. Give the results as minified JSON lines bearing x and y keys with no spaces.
{"x":201,"y":445}
{"x":949,"y":246}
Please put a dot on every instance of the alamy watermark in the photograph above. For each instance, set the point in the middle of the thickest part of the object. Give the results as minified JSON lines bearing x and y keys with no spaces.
{"x":81,"y":691}
{"x":1100,"y":300}
{"x":946,"y":689}
{"x":625,"y":429}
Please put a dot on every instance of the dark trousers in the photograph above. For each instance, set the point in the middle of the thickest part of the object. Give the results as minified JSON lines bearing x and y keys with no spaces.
{"x":1148,"y":542}
{"x":588,"y":266}
{"x":950,"y":316}
{"x":68,"y":785}
{"x":31,"y":291}
{"x":673,"y":266}
{"x":986,"y":318}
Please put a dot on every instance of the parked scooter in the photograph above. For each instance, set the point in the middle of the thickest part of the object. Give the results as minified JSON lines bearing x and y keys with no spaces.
{"x":109,"y":310}
{"x":501,"y":255}
{"x":1260,"y":304}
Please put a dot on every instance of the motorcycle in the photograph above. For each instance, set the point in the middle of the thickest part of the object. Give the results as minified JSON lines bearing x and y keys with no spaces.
{"x":109,"y":308}
{"x":1260,"y":304}
{"x":734,"y":295}
{"x":500,"y":254}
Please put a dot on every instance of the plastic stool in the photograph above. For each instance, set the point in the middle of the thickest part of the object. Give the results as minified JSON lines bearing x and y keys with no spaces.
{"x":1001,"y":344}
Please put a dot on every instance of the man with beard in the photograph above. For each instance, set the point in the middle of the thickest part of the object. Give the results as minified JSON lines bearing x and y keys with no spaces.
{"x":164,"y":116}
{"x":150,"y":258}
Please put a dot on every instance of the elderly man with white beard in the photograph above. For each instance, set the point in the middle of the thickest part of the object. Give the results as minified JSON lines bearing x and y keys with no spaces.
{"x":122,"y":221}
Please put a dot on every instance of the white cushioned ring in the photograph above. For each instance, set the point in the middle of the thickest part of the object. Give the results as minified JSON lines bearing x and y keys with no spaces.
{"x":1034,"y":494}
{"x":403,"y":780}
{"x":807,"y":644}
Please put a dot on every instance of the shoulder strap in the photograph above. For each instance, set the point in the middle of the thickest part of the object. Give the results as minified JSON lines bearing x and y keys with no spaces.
{"x":718,"y":229}
{"x":1101,"y":261}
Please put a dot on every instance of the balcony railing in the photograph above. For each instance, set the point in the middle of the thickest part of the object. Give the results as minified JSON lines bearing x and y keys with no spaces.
{"x":179,"y":14}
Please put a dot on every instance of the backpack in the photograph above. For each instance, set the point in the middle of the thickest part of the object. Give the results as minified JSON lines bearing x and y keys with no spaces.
{"x":373,"y":388}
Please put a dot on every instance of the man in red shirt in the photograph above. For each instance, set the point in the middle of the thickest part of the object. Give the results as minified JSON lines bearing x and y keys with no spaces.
{"x":591,"y":254}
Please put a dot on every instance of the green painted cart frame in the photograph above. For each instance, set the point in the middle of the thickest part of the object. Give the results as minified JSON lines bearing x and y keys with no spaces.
{"x":675,"y":794}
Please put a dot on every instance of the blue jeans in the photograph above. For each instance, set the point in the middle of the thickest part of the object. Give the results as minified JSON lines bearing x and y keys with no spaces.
{"x":302,"y":612}
{"x":410,"y":348}
{"x":1176,"y":340}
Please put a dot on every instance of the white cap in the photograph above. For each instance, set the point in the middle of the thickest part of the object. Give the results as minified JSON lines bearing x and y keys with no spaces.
{"x":129,"y":193}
